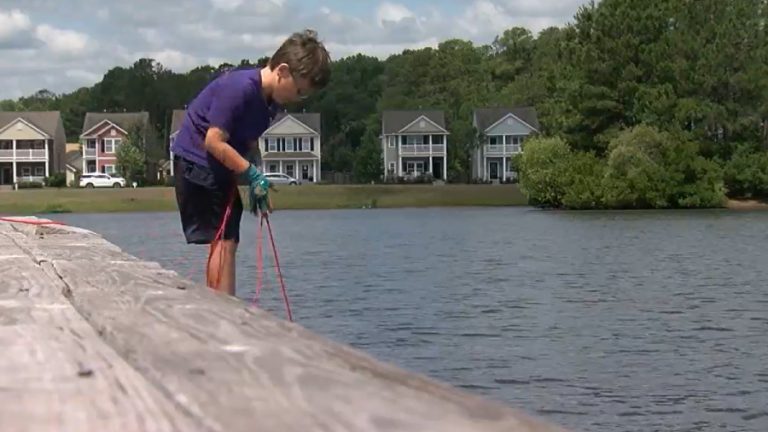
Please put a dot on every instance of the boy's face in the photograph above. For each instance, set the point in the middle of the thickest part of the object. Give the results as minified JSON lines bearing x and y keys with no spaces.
{"x":290,"y":87}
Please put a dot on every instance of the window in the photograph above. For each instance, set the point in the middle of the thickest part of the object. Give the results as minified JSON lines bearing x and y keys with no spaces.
{"x":273,"y":168}
{"x":311,"y":144}
{"x":437,"y":139}
{"x":26,"y":171}
{"x":39,"y":171}
{"x":39,"y":145}
{"x":391,"y":167}
{"x":90,"y":144}
{"x":272,"y":144}
{"x":109,"y":169}
{"x":493,"y":140}
{"x":392,"y":141}
{"x":111,"y":144}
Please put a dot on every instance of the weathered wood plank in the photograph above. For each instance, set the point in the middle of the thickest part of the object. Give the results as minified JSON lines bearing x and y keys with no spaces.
{"x":55,"y":371}
{"x":239,"y":369}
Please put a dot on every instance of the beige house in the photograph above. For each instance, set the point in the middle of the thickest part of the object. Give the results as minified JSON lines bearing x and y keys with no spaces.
{"x":32,"y":145}
{"x":414,"y":143}
{"x":502,"y":132}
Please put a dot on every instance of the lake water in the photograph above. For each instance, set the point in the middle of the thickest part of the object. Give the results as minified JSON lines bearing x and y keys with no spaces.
{"x":600,"y":321}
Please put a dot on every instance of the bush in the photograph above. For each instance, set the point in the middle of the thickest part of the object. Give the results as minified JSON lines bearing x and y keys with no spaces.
{"x":645,"y":168}
{"x":584,"y":177}
{"x":746,"y":173}
{"x":542,"y":169}
{"x":57,"y":180}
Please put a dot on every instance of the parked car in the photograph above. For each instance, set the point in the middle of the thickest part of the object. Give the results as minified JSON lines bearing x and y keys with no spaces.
{"x":280,"y":178}
{"x":101,"y":180}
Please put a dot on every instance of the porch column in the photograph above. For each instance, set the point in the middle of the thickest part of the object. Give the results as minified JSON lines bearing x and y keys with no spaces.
{"x":445,"y":165}
{"x":314,"y":171}
{"x":485,"y":169}
{"x":47,"y":160}
{"x":281,"y":167}
{"x":14,"y":162}
{"x":503,"y":168}
{"x":430,"y":166}
{"x":430,"y":155}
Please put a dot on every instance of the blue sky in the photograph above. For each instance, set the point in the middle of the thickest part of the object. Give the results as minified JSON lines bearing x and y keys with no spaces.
{"x":63,"y":44}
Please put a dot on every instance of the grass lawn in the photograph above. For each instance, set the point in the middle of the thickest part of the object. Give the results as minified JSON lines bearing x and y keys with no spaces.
{"x":33,"y":201}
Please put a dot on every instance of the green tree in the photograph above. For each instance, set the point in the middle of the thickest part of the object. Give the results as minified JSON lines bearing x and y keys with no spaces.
{"x":131,"y":156}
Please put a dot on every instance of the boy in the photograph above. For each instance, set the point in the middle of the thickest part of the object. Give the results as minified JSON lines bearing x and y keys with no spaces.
{"x":221,"y":126}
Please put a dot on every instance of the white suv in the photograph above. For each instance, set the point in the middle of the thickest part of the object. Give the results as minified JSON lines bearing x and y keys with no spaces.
{"x":101,"y":180}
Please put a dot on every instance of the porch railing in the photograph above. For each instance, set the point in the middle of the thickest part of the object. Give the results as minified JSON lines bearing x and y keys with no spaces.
{"x":23,"y":154}
{"x":422,"y":149}
{"x":502,"y":149}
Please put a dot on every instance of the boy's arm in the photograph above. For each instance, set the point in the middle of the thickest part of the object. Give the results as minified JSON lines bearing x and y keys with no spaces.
{"x":216,"y":144}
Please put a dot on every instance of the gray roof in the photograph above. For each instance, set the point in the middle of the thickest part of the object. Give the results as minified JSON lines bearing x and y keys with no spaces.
{"x":486,"y":117}
{"x":74,"y":158}
{"x":311,"y":120}
{"x":176,"y":119}
{"x":46,"y":121}
{"x":122,"y":119}
{"x":396,"y":120}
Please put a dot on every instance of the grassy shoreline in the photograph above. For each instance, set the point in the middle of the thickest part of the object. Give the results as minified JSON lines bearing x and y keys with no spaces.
{"x":36,"y":201}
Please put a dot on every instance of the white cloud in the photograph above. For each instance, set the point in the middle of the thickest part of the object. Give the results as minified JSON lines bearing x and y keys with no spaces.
{"x":62,"y":42}
{"x":226,"y":4}
{"x":13,"y":22}
{"x":392,"y":12}
{"x":189,"y":33}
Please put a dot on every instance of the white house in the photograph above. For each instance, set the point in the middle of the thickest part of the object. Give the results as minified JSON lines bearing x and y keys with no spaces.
{"x":292,"y":146}
{"x":502,"y":133}
{"x":414,"y":142}
{"x":32,"y":145}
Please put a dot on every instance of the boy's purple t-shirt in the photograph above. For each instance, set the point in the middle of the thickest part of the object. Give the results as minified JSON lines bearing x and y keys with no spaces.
{"x":232,"y":102}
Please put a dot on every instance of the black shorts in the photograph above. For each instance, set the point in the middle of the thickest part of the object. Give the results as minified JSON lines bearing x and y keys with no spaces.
{"x":203,"y":197}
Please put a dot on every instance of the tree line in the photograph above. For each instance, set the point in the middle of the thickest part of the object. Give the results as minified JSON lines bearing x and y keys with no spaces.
{"x":695,"y":71}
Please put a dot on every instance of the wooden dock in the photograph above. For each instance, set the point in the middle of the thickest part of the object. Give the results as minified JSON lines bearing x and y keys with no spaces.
{"x":94,"y":339}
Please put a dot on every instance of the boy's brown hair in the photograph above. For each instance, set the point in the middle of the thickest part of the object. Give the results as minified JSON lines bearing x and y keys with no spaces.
{"x":306,"y":56}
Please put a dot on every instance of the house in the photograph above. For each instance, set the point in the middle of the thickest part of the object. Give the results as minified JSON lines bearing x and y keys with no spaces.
{"x":73,"y":163}
{"x":176,"y":119}
{"x":414,"y":142}
{"x":32,"y":145}
{"x":102,"y":135}
{"x":291,"y":145}
{"x":502,"y":132}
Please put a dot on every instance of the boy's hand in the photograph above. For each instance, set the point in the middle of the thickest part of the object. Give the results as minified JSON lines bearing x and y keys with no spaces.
{"x":258,"y":190}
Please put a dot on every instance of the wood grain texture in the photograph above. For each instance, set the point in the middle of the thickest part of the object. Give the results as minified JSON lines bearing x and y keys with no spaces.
{"x":56,"y":373}
{"x":236,"y":368}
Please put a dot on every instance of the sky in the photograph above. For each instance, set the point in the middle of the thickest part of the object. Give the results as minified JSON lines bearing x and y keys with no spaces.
{"x":61,"y":45}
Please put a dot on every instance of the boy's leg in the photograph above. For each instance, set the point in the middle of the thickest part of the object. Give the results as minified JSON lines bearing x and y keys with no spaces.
{"x":202,"y":206}
{"x":221,"y":268}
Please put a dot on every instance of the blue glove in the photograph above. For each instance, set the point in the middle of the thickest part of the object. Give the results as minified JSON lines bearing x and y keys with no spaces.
{"x":258,"y":190}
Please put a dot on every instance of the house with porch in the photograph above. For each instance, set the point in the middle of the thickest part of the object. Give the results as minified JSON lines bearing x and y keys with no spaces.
{"x":102,"y":135}
{"x":414,"y":142}
{"x":32,"y":146}
{"x":502,"y":132}
{"x":291,"y":145}
{"x":177,"y":117}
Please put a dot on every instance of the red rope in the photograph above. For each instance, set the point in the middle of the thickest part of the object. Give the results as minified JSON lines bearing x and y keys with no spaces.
{"x":260,"y":266}
{"x":31,"y":222}
{"x":279,"y":272}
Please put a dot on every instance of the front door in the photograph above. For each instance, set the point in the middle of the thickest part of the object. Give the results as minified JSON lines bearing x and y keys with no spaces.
{"x":5,"y":176}
{"x":437,"y":168}
{"x":289,"y":169}
{"x":305,"y":171}
{"x":493,"y":168}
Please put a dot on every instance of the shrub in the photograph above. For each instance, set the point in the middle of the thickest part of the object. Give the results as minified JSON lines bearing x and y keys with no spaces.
{"x":746,"y":173}
{"x":542,"y":166}
{"x":584,"y":178}
{"x":57,"y":180}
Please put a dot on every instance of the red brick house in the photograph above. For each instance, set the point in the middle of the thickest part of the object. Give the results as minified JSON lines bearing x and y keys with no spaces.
{"x":102,"y":135}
